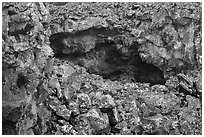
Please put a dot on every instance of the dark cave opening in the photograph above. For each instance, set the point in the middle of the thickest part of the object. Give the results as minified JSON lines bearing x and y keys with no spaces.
{"x":109,"y":62}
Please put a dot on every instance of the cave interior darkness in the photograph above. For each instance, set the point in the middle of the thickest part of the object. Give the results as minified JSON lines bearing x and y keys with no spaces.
{"x":111,"y":63}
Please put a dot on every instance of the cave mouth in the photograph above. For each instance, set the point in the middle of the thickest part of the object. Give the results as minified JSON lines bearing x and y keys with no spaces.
{"x":111,"y":63}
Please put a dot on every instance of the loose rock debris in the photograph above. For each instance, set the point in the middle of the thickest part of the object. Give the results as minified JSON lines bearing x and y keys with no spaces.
{"x":101,"y":68}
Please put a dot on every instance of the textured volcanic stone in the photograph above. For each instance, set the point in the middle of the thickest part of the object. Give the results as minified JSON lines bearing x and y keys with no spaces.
{"x":101,"y":68}
{"x":63,"y":112}
{"x":104,"y":102}
{"x":97,"y":122}
{"x":84,"y":102}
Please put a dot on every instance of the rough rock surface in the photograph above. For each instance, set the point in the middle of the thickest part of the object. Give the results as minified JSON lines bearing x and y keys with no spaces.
{"x":101,"y":68}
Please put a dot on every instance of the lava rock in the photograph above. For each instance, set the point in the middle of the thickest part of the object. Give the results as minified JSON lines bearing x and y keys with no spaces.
{"x":97,"y":122}
{"x":101,"y":68}
{"x":84,"y":102}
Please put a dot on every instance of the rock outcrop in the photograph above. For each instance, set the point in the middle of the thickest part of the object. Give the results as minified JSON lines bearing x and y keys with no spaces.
{"x":107,"y":68}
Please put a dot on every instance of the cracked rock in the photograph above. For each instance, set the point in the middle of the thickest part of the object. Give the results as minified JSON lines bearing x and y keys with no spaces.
{"x":110,"y":68}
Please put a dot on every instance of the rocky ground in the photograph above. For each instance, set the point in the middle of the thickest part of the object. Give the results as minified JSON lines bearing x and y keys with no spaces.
{"x":101,"y":68}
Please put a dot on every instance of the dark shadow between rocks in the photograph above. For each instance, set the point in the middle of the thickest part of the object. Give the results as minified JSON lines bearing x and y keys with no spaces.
{"x":8,"y":128}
